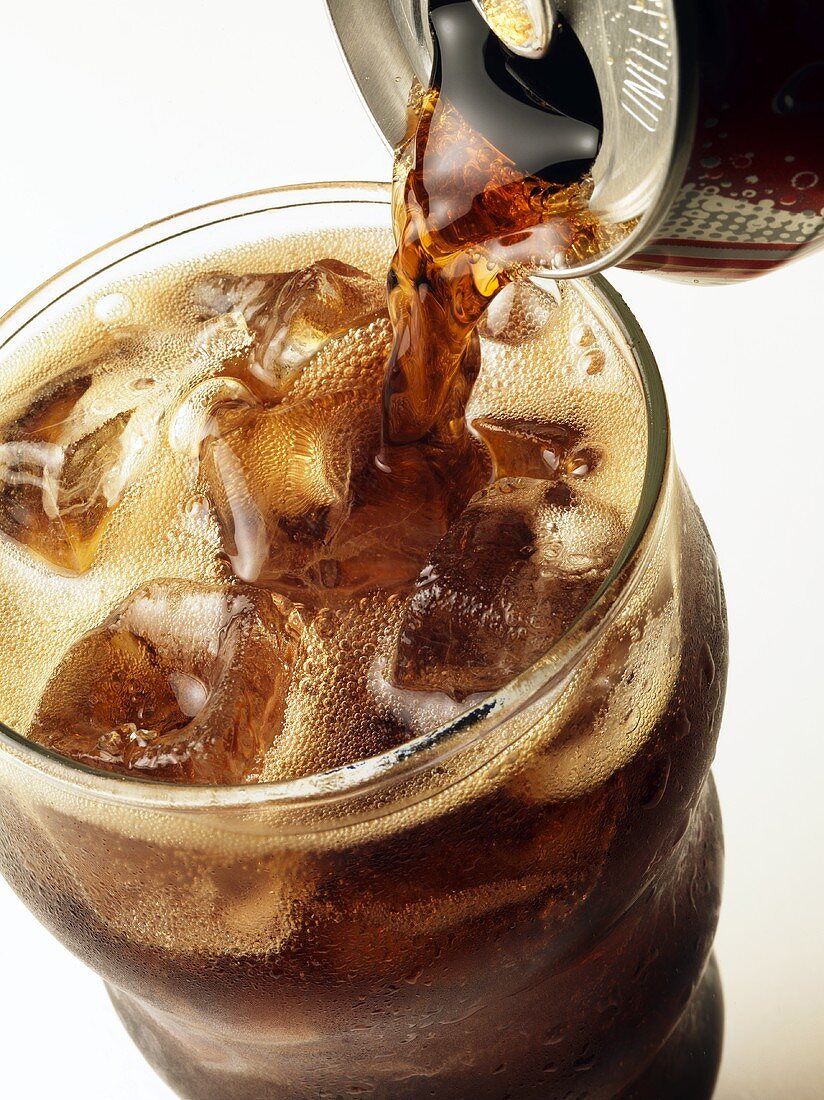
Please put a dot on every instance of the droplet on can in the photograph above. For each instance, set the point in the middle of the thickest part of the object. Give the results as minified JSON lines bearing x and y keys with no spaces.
{"x":803,"y":181}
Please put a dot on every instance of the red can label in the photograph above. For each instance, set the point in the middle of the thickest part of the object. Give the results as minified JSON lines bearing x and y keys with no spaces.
{"x":753,"y":193}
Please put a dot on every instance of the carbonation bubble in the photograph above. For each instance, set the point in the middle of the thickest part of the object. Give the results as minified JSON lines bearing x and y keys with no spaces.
{"x":582,"y":336}
{"x":113,"y":308}
{"x":196,"y":507}
{"x":592,"y":361}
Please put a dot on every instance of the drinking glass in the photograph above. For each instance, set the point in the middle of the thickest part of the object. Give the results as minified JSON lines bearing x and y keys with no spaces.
{"x":519,"y":904}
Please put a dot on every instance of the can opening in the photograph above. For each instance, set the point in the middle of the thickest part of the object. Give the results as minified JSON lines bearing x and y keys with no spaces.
{"x":632,"y":50}
{"x":524,"y":26}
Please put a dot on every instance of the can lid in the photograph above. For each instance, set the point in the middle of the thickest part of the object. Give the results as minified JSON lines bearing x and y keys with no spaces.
{"x":635,"y":54}
{"x":524,"y":26}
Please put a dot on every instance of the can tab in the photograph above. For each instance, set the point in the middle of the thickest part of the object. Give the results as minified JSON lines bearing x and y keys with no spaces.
{"x":524,"y":26}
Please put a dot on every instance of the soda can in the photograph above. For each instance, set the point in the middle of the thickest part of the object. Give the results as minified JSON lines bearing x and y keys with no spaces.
{"x":713,"y":120}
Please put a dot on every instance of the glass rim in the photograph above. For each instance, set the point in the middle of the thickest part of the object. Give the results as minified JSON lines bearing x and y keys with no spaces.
{"x":430,"y":749}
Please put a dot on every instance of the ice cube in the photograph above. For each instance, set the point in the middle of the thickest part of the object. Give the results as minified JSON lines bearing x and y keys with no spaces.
{"x":74,"y":446}
{"x":533,"y":448}
{"x":183,"y":682}
{"x":402,"y":503}
{"x":510,"y":576}
{"x":206,"y":410}
{"x":518,"y":314}
{"x":280,"y":481}
{"x":333,"y":717}
{"x":305,"y":507}
{"x":291,"y":314}
{"x":65,"y":464}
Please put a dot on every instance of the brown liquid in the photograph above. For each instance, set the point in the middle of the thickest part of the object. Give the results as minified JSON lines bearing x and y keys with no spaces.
{"x":469,"y":217}
{"x":441,"y":563}
{"x":531,"y":917}
{"x":246,"y":594}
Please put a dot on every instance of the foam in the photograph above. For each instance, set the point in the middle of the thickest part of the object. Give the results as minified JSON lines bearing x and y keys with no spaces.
{"x":163,"y":527}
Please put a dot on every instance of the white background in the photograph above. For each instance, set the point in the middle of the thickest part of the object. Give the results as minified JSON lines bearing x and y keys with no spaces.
{"x":115,"y":115}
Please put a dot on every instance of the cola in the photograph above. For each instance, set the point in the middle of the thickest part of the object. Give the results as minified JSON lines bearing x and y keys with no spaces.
{"x":352,"y":763}
{"x":478,"y":201}
{"x":368,"y":750}
{"x":309,"y":544}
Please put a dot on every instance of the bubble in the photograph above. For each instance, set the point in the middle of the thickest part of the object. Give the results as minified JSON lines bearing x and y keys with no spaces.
{"x":196,"y":507}
{"x":113,"y":308}
{"x":581,"y":463}
{"x":550,"y":459}
{"x":592,"y":361}
{"x":582,"y":336}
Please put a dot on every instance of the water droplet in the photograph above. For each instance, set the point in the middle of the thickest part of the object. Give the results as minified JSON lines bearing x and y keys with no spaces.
{"x":655,"y":784}
{"x":632,"y":719}
{"x":803,"y":181}
{"x":582,"y":336}
{"x":555,"y":1036}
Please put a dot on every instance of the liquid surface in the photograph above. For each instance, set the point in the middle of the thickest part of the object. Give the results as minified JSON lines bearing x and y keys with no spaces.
{"x":206,"y":575}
